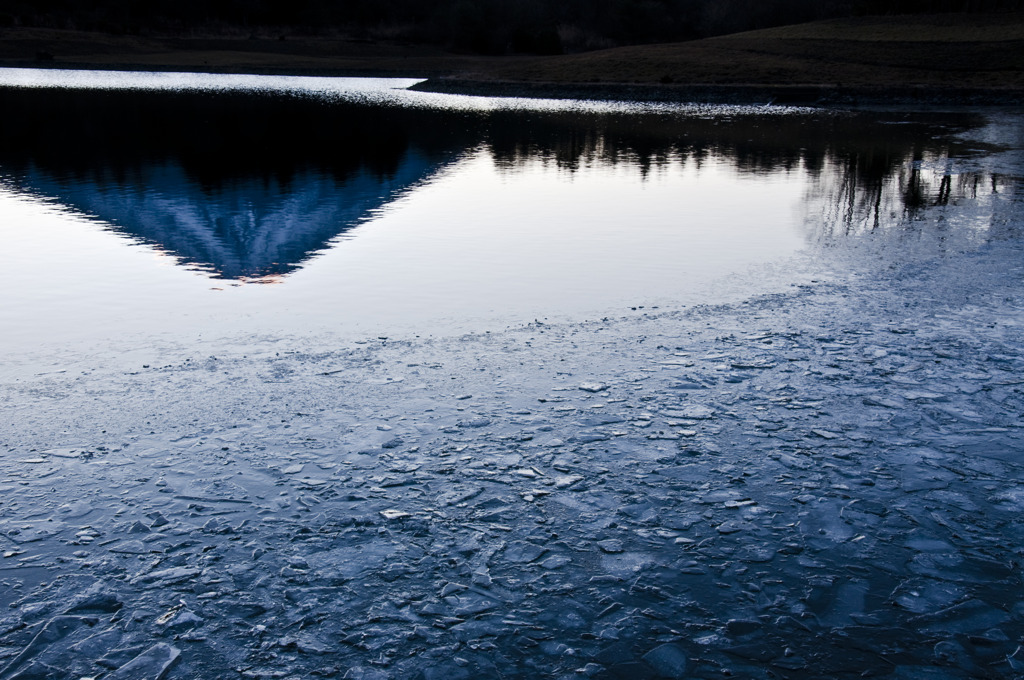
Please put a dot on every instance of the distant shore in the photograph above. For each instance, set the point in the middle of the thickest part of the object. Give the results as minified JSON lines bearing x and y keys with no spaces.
{"x":960,"y":60}
{"x":696,"y":93}
{"x":790,"y":95}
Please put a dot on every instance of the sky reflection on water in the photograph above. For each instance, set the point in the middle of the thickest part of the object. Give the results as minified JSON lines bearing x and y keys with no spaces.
{"x":139,"y":211}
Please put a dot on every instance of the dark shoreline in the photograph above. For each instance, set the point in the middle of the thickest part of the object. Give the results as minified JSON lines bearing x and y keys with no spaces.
{"x":753,"y":94}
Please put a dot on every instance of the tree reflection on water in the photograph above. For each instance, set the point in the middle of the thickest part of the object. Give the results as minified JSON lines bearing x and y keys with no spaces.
{"x":250,"y":186}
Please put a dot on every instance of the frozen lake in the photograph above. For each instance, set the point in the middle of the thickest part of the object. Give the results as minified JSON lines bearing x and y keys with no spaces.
{"x":326,"y":378}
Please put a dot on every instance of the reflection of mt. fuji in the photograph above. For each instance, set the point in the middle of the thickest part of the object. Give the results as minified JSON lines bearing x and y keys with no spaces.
{"x":243,"y":185}
{"x":244,"y":228}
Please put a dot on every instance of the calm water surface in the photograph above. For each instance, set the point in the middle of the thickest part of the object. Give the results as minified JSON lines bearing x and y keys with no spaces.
{"x":141,"y":205}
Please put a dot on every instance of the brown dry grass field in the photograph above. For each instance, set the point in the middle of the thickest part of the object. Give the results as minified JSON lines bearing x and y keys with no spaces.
{"x":940,"y":51}
{"x":984,"y":51}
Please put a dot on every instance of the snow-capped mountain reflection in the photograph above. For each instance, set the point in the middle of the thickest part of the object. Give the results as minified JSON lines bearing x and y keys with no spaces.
{"x":244,"y":228}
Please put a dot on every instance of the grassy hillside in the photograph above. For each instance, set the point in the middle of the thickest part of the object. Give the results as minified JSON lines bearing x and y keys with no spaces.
{"x":938,"y":51}
{"x":985,"y":51}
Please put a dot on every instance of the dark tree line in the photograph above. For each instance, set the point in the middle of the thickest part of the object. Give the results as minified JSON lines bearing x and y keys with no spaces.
{"x":484,"y":26}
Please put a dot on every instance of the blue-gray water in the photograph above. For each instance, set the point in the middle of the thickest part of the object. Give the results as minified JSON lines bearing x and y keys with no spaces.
{"x":178,"y":205}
